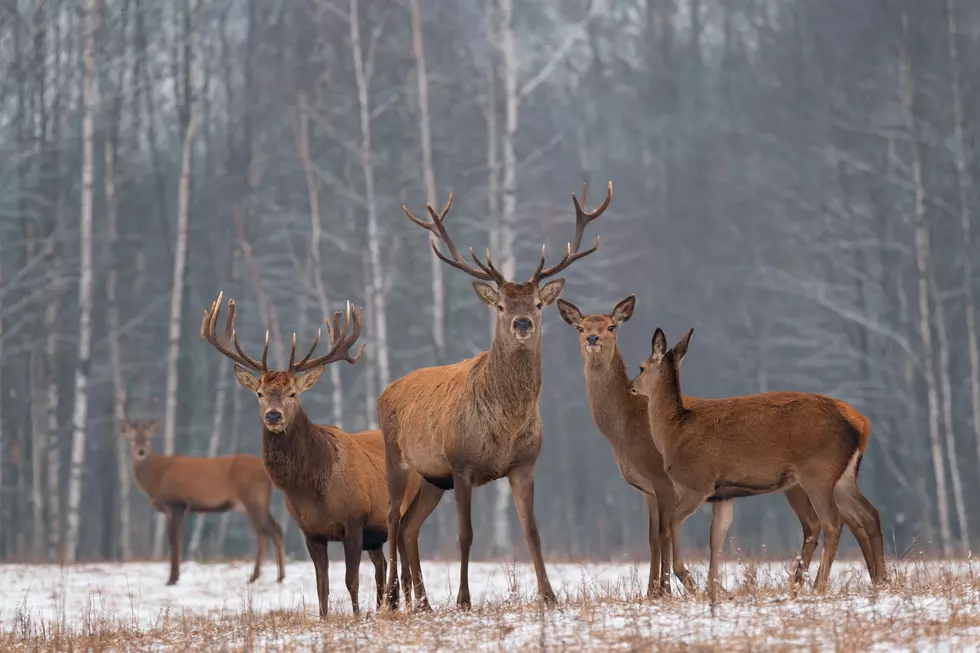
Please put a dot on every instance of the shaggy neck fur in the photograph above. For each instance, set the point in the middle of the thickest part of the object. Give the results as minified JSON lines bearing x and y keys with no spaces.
{"x":510,"y":378}
{"x":302,"y":452}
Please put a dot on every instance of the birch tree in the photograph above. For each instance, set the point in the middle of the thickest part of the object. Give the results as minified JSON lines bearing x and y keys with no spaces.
{"x":80,"y":412}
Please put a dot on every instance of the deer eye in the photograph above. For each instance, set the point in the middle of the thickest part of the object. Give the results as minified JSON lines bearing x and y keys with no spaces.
{"x":500,"y":308}
{"x":581,"y":329}
{"x":258,"y":394}
{"x":539,"y":306}
{"x":292,"y":395}
{"x":611,"y":328}
{"x":642,"y":369}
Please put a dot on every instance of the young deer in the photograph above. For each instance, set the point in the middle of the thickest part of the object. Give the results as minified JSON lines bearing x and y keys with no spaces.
{"x":178,"y":484}
{"x":472,"y":422}
{"x":334,"y":481}
{"x":622,"y":418}
{"x":721,"y":449}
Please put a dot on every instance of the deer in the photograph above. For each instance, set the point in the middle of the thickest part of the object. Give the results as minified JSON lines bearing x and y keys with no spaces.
{"x":334,"y":482}
{"x":717,"y":450}
{"x":622,"y":419}
{"x":177,"y":485}
{"x":469,"y":423}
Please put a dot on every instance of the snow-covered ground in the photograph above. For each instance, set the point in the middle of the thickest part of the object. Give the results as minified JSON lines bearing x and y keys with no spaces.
{"x":930,"y":607}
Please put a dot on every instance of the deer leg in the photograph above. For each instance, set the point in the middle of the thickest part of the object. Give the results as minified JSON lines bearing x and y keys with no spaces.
{"x":377,"y":557}
{"x":687,"y":503}
{"x":862,"y":518}
{"x":275,"y":532}
{"x":722,"y":513}
{"x":810,"y":523}
{"x":464,"y":496}
{"x":175,"y":528}
{"x":425,"y":502}
{"x":353,"y":546}
{"x":321,"y":563}
{"x":522,"y":487}
{"x":822,"y":499}
{"x":258,"y":525}
{"x":397,"y":484}
{"x":653,"y":583}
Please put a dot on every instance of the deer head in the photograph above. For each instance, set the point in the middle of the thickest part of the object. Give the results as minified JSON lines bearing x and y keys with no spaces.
{"x":660,"y":372}
{"x":139,"y":432}
{"x":598,"y":334}
{"x":278,"y":391}
{"x":518,"y":305}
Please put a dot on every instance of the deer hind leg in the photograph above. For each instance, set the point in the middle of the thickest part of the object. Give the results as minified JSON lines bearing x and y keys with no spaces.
{"x":259,"y":526}
{"x":863,"y":520}
{"x":722,"y":513}
{"x":175,"y":528}
{"x":353,"y":546}
{"x":822,"y":499}
{"x":688,"y":502}
{"x":522,"y":487}
{"x":654,"y":586}
{"x":425,"y":502}
{"x":810,"y":522}
{"x":397,"y":484}
{"x":321,"y":563}
{"x":377,"y":557}
{"x":274,"y":531}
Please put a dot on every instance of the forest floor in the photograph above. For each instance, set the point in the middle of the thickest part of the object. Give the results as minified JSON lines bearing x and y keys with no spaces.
{"x":928,"y":606}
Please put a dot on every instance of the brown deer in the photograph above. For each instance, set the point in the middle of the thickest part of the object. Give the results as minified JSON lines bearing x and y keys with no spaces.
{"x":334,"y":482}
{"x":470,"y":423}
{"x":717,"y":450}
{"x":180,"y":484}
{"x":622,"y":418}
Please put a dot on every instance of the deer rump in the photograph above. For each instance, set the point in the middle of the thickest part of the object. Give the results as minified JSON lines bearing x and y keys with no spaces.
{"x":780,"y":433}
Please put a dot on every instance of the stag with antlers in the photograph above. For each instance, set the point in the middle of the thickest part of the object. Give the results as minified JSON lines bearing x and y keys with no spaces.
{"x":464,"y":425}
{"x":177,"y":485}
{"x":334,"y":481}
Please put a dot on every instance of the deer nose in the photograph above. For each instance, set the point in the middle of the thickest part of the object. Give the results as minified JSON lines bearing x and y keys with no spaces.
{"x":592,"y":340}
{"x":523,"y":324}
{"x":273,"y":417}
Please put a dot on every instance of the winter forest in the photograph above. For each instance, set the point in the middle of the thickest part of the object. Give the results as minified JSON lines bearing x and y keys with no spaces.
{"x":795,"y":179}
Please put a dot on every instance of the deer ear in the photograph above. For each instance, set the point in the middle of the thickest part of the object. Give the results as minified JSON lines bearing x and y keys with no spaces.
{"x":659,"y":345}
{"x":248,"y":380}
{"x":310,"y":379}
{"x":569,"y":312}
{"x":152,"y":428}
{"x":681,"y":347}
{"x":487,"y":293}
{"x":624,"y":310}
{"x":549,"y":292}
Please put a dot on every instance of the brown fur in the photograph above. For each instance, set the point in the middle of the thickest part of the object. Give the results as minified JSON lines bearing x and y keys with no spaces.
{"x":721,"y":449}
{"x":178,"y":484}
{"x":334,"y":482}
{"x":470,"y":423}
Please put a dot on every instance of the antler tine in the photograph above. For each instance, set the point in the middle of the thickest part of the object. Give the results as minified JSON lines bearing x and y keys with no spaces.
{"x":153,"y":407}
{"x":488,"y":267}
{"x":302,"y":361}
{"x":341,"y":340}
{"x":572,"y":253}
{"x":208,"y":332}
{"x":438,"y":230}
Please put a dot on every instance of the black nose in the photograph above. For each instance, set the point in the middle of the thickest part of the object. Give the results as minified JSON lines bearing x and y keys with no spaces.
{"x":273,"y":417}
{"x":523,"y":324}
{"x":140,"y":452}
{"x":592,"y":340}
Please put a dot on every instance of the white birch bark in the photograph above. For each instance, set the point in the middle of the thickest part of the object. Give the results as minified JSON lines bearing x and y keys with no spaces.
{"x":80,"y":412}
{"x":221,"y":538}
{"x":379,"y":333}
{"x":217,"y":426}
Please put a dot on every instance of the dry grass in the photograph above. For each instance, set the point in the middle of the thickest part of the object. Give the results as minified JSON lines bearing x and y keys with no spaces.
{"x":927,"y":606}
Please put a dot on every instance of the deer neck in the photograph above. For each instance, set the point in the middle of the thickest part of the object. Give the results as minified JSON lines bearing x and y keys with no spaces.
{"x":144,"y":471}
{"x":617,"y":413}
{"x":301,"y":452}
{"x":666,"y":411}
{"x":511,"y":377}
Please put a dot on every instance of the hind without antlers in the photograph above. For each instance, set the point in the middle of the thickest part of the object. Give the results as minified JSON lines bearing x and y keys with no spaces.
{"x":466,"y":424}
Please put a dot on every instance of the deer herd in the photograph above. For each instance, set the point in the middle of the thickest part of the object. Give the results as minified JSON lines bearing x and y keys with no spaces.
{"x":460,"y":426}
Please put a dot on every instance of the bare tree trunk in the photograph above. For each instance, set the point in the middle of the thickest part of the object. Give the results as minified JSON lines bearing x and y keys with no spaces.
{"x":221,"y":539}
{"x":370,"y":373}
{"x":429,"y":174}
{"x":51,"y":325}
{"x":923,"y":266}
{"x":80,"y":412}
{"x":115,"y":349}
{"x":379,"y":333}
{"x":217,"y":426}
{"x":315,"y":265}
{"x":963,"y":186}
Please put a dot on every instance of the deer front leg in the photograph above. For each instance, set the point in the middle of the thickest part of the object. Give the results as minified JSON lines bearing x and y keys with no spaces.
{"x":175,"y":529}
{"x":653,"y":583}
{"x":321,"y":563}
{"x":522,"y":487}
{"x":464,"y":497}
{"x":353,"y":544}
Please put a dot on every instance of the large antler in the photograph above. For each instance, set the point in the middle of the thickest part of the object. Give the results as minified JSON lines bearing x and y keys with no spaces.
{"x":340,"y":343}
{"x":572,"y":254}
{"x":486,"y":271}
{"x":230,"y":336}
